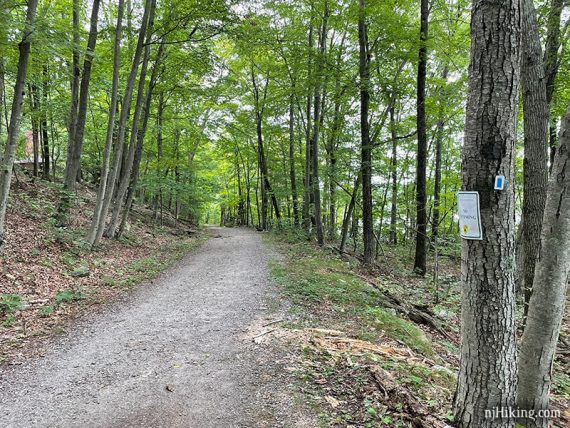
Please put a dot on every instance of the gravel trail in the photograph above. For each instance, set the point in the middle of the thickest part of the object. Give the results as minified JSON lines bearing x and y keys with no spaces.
{"x":170,"y":354}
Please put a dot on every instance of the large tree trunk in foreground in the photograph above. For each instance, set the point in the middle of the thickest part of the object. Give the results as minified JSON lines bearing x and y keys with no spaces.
{"x":366,"y":145}
{"x":487,"y":373}
{"x":7,"y":162}
{"x":535,"y":113}
{"x":546,"y":306}
{"x":421,"y":160}
{"x":96,"y":223}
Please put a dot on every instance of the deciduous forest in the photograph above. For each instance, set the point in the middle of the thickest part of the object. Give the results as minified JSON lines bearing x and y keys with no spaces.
{"x":338,"y":136}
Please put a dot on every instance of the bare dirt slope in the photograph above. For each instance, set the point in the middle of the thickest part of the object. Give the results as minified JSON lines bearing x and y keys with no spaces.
{"x":175,"y":353}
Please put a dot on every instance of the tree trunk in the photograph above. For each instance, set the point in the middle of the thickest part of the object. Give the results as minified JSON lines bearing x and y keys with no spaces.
{"x":535,"y":113}
{"x":98,"y":221}
{"x":134,"y":133}
{"x":7,"y":161}
{"x":366,"y":145}
{"x":292,"y":174}
{"x":421,"y":197}
{"x":546,"y":306}
{"x":43,"y":124}
{"x":140,"y":140}
{"x":349,"y":212}
{"x":394,"y":165}
{"x":125,"y":110}
{"x":79,"y":116}
{"x":34,"y":116}
{"x":317,"y":121}
{"x":552,"y":63}
{"x":76,"y":74}
{"x":438,"y":149}
{"x":487,"y":373}
{"x":73,"y":162}
{"x":307,"y":194}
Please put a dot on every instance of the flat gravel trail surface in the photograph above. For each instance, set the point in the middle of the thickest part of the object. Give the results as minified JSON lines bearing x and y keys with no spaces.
{"x":170,"y":354}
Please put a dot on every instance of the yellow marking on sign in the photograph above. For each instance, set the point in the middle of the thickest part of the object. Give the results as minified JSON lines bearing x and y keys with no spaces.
{"x":465,"y":228}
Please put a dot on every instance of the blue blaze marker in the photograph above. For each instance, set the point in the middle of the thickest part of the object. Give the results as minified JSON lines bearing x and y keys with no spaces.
{"x":499,"y":182}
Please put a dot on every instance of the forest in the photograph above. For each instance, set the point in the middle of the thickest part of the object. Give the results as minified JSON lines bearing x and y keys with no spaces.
{"x":351,"y":126}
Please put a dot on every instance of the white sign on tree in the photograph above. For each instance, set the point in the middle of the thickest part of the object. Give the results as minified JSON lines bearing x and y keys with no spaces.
{"x":469,"y":215}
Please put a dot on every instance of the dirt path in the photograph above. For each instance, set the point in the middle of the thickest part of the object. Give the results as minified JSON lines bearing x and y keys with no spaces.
{"x":171,"y":354}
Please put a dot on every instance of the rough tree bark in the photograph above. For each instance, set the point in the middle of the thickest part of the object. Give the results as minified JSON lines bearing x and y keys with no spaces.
{"x":421,"y":160}
{"x":7,"y":162}
{"x":366,"y":145}
{"x":94,"y":235}
{"x":487,"y":373}
{"x":546,"y":306}
{"x":535,"y":112}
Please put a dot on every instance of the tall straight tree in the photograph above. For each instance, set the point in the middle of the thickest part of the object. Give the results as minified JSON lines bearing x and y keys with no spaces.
{"x":552,"y":63}
{"x":139,"y":102}
{"x":122,"y":125}
{"x":421,"y":160}
{"x":97,"y":214}
{"x":79,"y":117}
{"x":487,"y":373}
{"x":7,"y":162}
{"x":546,"y":306}
{"x":317,"y":121}
{"x":438,"y":152}
{"x":535,"y":112}
{"x":366,"y":144}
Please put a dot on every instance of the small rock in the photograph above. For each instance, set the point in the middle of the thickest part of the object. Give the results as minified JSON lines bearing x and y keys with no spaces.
{"x":80,"y":272}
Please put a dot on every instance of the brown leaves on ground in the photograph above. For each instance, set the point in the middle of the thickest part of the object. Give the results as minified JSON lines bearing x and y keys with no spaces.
{"x":39,"y":259}
{"x":349,"y":378}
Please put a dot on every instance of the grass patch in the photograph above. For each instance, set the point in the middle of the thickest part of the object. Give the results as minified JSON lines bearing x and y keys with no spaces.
{"x":322,"y":282}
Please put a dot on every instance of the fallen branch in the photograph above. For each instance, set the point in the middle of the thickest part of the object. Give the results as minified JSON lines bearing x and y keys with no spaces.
{"x":400,"y":399}
{"x":414,"y":313}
